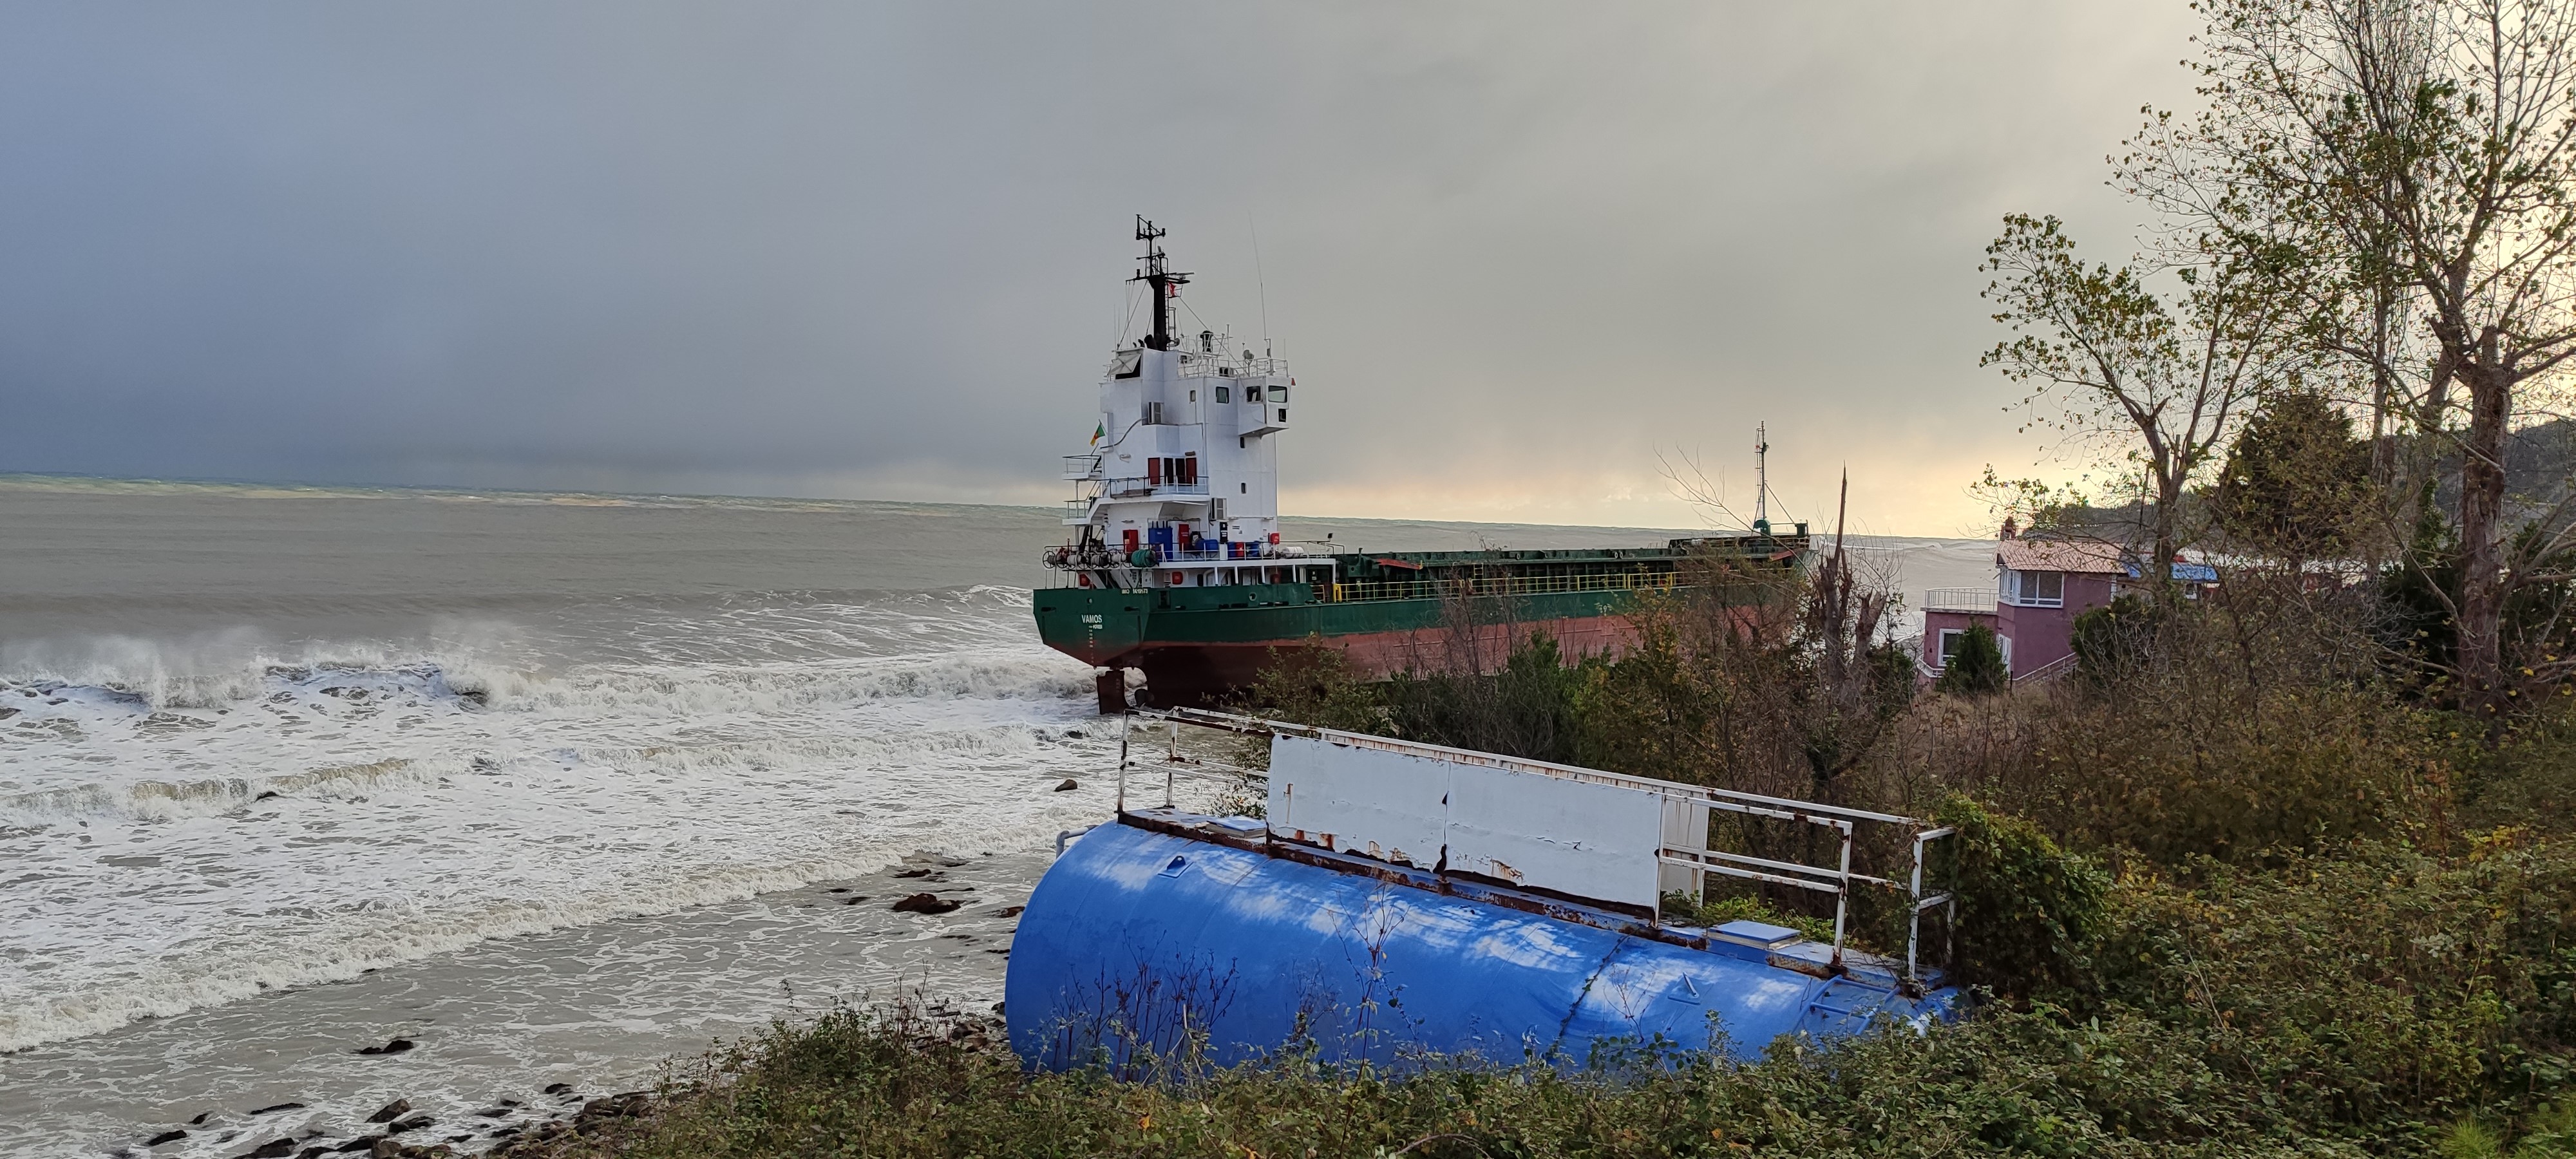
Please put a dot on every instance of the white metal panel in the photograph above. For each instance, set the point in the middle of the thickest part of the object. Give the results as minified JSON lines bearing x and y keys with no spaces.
{"x":1387,"y":805}
{"x":1584,"y":839}
{"x":1573,"y":837}
{"x":1685,"y":827}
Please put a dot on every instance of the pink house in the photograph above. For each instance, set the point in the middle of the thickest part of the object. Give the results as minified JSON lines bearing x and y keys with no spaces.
{"x":2041,"y":585}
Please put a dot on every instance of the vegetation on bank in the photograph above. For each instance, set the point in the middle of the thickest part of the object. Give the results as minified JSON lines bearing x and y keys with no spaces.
{"x":2372,"y":1000}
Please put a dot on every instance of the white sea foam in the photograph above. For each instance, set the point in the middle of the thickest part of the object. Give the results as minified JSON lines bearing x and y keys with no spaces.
{"x":185,"y":834}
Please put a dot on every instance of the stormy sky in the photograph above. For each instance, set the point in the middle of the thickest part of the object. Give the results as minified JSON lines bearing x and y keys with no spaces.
{"x":1519,"y":256}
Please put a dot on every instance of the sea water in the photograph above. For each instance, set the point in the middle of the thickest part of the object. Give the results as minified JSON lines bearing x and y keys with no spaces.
{"x":554,"y":786}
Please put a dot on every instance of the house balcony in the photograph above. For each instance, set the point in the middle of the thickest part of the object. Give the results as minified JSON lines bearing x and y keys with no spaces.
{"x":1980,"y":601}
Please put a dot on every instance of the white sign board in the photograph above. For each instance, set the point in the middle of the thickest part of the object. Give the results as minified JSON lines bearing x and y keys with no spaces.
{"x":1572,"y":837}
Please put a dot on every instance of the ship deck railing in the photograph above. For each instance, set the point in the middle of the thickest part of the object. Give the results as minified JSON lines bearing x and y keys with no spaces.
{"x":1465,"y":587}
{"x":1136,"y":488}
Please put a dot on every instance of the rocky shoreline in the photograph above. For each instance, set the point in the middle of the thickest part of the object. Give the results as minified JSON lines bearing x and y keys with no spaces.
{"x":929,"y":900}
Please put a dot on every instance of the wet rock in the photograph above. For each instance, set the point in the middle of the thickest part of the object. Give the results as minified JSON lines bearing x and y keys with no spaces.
{"x":914,"y":873}
{"x":925,"y":903}
{"x":493,"y":1113}
{"x":397,"y":1046}
{"x":1010,"y":911}
{"x":1068,"y":786}
{"x":266,"y":795}
{"x":838,"y":889}
{"x":170,"y":1136}
{"x":277,"y":1148}
{"x":1074,"y":734}
{"x":608,"y":1107}
{"x":856,"y":900}
{"x":413,"y":1123}
{"x":200,"y":1120}
{"x":310,"y":1152}
{"x":390,"y":1111}
{"x":279,"y":1107}
{"x":557,"y":1088}
{"x":362,"y":1143}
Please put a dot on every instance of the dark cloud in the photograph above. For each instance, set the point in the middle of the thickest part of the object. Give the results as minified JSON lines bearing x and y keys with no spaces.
{"x":1512,"y":250}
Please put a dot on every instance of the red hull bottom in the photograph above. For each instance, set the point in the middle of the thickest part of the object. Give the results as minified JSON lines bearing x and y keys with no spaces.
{"x":1201,"y":675}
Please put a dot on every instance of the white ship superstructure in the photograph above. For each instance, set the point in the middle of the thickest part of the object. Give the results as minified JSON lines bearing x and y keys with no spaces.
{"x":1181,"y":485}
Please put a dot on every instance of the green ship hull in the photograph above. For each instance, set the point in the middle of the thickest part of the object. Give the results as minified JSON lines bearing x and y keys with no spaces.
{"x":1406,"y":611}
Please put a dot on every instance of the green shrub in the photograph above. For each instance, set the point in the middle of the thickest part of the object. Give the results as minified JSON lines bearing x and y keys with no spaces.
{"x":2114,"y":640}
{"x":2028,"y":911}
{"x":1977,"y":669}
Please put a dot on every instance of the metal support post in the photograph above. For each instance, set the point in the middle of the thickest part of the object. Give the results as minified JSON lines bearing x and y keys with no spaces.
{"x":1126,"y":724}
{"x":1842,"y":897}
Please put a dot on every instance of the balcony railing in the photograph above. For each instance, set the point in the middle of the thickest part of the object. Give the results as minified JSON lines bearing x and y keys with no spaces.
{"x":1140,"y":488}
{"x":1959,"y":600}
{"x":1081,"y":466}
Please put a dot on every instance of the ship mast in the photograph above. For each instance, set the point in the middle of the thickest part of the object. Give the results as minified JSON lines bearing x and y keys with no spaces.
{"x":1761,"y":480}
{"x":1160,"y":279}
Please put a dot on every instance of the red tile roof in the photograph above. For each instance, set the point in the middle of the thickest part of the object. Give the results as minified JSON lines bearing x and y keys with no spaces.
{"x":2082,"y":556}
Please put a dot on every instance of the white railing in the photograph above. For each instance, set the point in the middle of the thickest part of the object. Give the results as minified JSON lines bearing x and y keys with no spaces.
{"x":1686,"y":810}
{"x":1960,"y":600}
{"x":2049,"y":671}
{"x":1144,"y":487}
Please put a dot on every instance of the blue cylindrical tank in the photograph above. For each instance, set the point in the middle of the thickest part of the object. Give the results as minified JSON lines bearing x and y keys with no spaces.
{"x":1143,"y":938}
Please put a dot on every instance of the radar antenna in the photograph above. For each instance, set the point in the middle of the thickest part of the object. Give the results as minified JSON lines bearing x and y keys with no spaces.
{"x":1160,"y":279}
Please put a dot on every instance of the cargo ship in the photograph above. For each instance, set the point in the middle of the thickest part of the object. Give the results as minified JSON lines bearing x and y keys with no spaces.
{"x":1176,"y":567}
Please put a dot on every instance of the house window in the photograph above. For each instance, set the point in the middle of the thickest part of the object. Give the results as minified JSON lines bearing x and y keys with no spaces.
{"x":2037,"y":589}
{"x":1951,"y":640}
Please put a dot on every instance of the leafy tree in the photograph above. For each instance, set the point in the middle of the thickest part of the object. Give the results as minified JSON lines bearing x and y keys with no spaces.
{"x":2297,"y":480}
{"x":2151,"y":380}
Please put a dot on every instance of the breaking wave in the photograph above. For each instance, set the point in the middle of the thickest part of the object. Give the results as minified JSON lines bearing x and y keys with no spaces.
{"x":196,"y":823}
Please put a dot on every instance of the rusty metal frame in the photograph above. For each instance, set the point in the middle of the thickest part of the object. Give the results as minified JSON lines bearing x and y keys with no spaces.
{"x":1705,"y":801}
